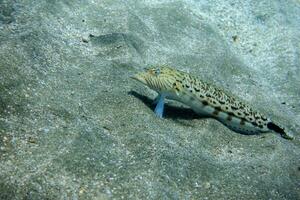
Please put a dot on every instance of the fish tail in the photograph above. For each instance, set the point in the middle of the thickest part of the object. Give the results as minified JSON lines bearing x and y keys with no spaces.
{"x":279,"y":130}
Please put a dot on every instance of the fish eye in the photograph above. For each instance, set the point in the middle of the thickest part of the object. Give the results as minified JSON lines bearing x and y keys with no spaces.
{"x":153,"y":71}
{"x":157,"y":71}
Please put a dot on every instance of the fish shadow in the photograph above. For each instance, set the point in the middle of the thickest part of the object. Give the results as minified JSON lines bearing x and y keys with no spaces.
{"x":177,"y":113}
{"x":172,"y":112}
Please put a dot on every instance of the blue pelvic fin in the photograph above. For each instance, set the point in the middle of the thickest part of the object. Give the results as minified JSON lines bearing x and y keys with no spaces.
{"x":155,"y":101}
{"x":159,"y":109}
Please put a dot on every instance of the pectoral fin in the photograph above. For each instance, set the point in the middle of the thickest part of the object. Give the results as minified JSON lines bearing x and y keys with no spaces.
{"x":159,"y":109}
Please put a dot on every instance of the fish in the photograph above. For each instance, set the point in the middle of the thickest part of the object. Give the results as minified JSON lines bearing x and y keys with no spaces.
{"x":206,"y":99}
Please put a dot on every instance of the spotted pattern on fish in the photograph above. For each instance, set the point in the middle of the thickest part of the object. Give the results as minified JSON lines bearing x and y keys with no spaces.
{"x":206,"y":99}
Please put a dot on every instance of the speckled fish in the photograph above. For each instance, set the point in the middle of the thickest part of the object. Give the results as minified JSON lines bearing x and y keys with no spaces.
{"x":206,"y":100}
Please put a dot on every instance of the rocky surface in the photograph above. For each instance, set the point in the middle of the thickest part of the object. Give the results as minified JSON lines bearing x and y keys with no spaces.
{"x":74,"y":126}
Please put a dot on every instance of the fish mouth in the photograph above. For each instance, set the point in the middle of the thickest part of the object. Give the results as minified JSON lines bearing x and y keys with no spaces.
{"x":139,"y":77}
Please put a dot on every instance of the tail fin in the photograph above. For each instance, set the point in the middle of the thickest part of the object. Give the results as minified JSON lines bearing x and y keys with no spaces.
{"x":279,"y":130}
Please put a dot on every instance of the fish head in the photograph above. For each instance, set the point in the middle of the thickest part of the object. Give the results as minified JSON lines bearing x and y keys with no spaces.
{"x":162,"y":79}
